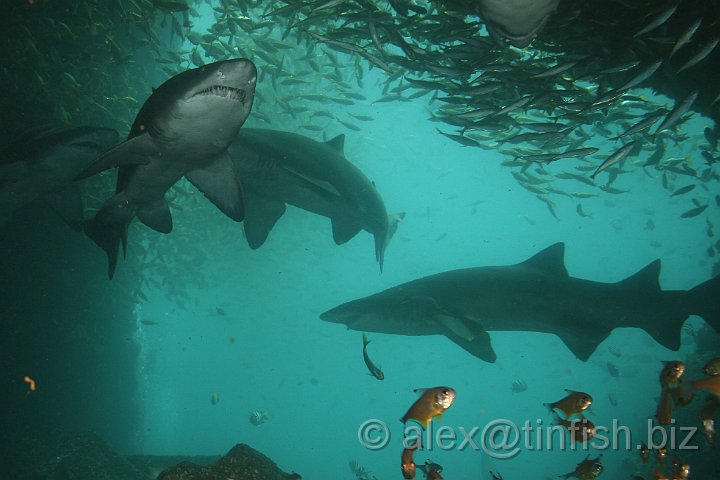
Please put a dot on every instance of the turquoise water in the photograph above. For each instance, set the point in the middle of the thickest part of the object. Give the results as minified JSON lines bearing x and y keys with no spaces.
{"x":220,"y":321}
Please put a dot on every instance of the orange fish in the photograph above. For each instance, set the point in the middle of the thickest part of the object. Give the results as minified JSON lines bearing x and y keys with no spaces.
{"x":432,"y":403}
{"x":644,"y":452}
{"x":574,"y":403}
{"x":712,"y":367}
{"x":681,"y":394}
{"x":31,"y":385}
{"x":407,"y":464}
{"x":663,"y":415}
{"x":671,"y":373}
{"x":661,"y":455}
{"x":707,"y":417}
{"x":658,"y":475}
{"x":581,"y":429}
{"x":681,"y":470}
{"x":710,"y":384}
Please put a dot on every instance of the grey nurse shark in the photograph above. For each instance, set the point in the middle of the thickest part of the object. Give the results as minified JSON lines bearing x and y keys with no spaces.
{"x":183,"y":129}
{"x":279,"y":168}
{"x":536,"y":295}
{"x":43,"y":165}
{"x":516,"y":21}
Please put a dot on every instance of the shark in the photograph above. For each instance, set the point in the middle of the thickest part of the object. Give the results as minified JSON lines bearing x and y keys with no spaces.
{"x":536,"y":295}
{"x":42,"y":165}
{"x":279,"y":168}
{"x":516,"y":21}
{"x":183,"y":129}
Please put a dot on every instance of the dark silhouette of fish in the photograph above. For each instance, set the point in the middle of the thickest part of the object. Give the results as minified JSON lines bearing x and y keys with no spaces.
{"x":536,"y":295}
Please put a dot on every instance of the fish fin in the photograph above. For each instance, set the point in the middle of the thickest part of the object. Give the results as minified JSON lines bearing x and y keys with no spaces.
{"x":156,"y":215}
{"x":220,"y":183}
{"x":648,"y":278}
{"x":704,"y":303}
{"x":261,"y":214}
{"x":67,"y":203}
{"x":584,"y":344}
{"x":134,"y":151}
{"x":344,"y":230}
{"x":107,"y":236}
{"x":382,"y":243}
{"x":337,"y":144}
{"x":550,"y":260}
{"x":365,"y":340}
{"x":467,"y":334}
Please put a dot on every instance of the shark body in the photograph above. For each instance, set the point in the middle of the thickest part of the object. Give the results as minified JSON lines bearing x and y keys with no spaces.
{"x":279,"y":168}
{"x":183,"y":129}
{"x":45,"y":165}
{"x":536,"y":295}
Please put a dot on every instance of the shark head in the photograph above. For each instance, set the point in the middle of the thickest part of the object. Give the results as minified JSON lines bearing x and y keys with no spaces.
{"x":516,"y":21}
{"x":220,"y":93}
{"x":390,"y":311}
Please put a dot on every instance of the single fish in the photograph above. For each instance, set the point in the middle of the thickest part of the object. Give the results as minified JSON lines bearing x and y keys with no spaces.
{"x":432,"y":403}
{"x":686,"y":36}
{"x":587,"y":469}
{"x":374,"y":370}
{"x":677,"y":113}
{"x":616,"y":157}
{"x":572,"y":404}
{"x":657,"y":20}
{"x":712,"y":367}
{"x":700,"y":55}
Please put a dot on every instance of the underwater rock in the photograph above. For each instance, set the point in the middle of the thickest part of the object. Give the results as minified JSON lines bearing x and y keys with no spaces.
{"x":64,"y":456}
{"x":241,"y":463}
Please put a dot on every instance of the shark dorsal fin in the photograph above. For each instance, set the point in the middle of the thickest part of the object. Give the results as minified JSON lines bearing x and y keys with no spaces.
{"x":647,"y":278}
{"x":549,"y":261}
{"x":338,"y":144}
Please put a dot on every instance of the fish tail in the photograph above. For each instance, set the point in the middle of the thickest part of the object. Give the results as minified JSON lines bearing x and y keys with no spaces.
{"x":108,"y":232}
{"x":365,"y":340}
{"x":704,"y":302}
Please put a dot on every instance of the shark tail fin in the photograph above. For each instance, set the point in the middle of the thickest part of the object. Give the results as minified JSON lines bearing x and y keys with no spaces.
{"x":108,"y":235}
{"x":381,"y":243}
{"x":704,"y":302}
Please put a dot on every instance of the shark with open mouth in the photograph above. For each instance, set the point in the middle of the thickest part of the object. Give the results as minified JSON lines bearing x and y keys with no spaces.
{"x":183,"y":129}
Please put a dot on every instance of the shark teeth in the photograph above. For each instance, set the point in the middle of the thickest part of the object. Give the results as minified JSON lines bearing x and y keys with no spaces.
{"x":223,"y":91}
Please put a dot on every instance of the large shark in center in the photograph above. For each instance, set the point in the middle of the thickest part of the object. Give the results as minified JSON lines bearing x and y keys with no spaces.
{"x":282,"y":167}
{"x":536,"y":295}
{"x":183,"y":129}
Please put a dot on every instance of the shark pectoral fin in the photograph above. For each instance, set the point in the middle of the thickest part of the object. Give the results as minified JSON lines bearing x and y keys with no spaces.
{"x":584,"y":344}
{"x":67,"y":203}
{"x":156,"y":215}
{"x":261,"y":214}
{"x":220,"y":183}
{"x":344,"y":229}
{"x":469,"y":335}
{"x":134,"y":151}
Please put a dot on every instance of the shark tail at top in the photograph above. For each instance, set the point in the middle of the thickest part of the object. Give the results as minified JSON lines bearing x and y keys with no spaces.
{"x":704,"y":301}
{"x":382,"y":243}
